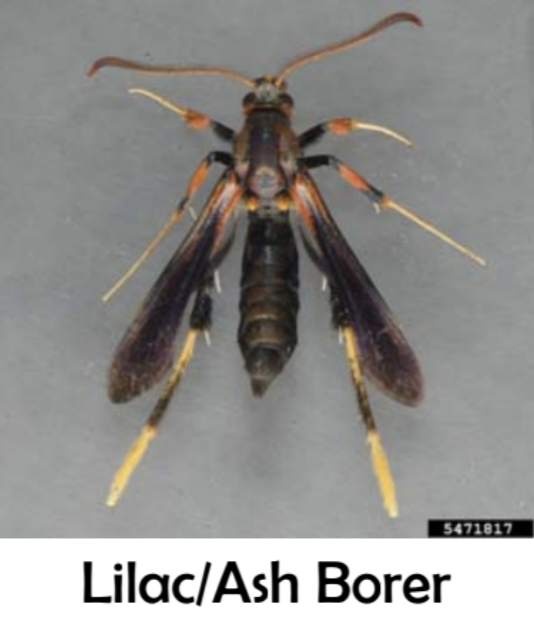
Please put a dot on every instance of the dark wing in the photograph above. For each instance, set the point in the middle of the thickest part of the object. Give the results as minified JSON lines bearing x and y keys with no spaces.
{"x":386,"y":356}
{"x":146,"y":350}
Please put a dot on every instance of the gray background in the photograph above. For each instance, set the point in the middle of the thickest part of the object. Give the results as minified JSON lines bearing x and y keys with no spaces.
{"x":89,"y":173}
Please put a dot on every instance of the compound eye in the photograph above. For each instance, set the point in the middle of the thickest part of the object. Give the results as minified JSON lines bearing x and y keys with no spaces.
{"x":286,"y":100}
{"x":249,"y":100}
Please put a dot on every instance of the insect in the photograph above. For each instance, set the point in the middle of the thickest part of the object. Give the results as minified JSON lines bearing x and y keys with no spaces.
{"x":266,"y":176}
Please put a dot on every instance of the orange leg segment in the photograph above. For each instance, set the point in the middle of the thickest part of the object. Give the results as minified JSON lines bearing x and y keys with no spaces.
{"x":198,"y":177}
{"x":345,"y":125}
{"x":382,"y":201}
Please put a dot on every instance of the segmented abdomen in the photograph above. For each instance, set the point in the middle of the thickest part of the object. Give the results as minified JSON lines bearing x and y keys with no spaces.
{"x":269,"y":298}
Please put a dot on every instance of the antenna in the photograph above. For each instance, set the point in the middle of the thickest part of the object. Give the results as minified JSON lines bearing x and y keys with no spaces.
{"x":125,"y":64}
{"x":346,"y":43}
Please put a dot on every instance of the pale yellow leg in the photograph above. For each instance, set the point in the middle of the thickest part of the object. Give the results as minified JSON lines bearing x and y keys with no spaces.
{"x":149,"y":430}
{"x":174,"y":219}
{"x":195,"y":182}
{"x":381,"y":201}
{"x":388,"y":203}
{"x":359,"y":125}
{"x":378,"y":455}
{"x":192,"y":118}
{"x":181,"y":111}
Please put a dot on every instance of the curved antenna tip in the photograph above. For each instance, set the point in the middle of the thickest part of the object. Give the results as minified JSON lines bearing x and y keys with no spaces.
{"x":417,"y":20}
{"x":95,"y":66}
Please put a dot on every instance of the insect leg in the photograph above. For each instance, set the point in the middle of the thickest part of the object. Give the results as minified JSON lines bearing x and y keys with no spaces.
{"x":200,"y":321}
{"x":198,"y":177}
{"x":382,"y":201}
{"x":378,"y":455}
{"x":343,"y":126}
{"x":192,"y":118}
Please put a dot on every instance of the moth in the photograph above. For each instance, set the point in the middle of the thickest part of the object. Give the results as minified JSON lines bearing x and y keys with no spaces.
{"x":267,"y":176}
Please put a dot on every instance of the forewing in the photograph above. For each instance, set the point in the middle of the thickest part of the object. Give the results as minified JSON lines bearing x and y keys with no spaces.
{"x":386,"y":356}
{"x":146,"y":350}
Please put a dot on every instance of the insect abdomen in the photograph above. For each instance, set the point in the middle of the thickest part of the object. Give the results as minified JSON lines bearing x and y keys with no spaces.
{"x":269,"y":298}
